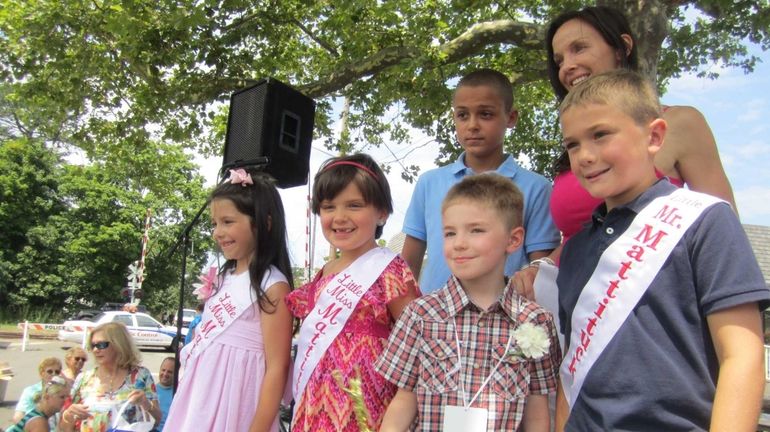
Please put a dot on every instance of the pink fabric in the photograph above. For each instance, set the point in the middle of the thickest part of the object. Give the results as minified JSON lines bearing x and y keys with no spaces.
{"x":571,"y":205}
{"x":220,"y":388}
{"x":324,"y":406}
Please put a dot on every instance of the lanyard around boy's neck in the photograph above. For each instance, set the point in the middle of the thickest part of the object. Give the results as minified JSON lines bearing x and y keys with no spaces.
{"x":467,"y":404}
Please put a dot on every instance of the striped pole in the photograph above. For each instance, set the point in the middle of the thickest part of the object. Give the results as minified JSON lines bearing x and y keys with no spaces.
{"x":308,"y":250}
{"x":145,"y":240}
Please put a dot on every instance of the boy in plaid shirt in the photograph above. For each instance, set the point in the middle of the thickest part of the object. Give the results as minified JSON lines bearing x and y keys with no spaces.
{"x":474,"y":355}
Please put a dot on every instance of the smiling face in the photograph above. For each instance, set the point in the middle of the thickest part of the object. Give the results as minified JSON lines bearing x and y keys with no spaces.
{"x":349,"y":223}
{"x":166,"y":375}
{"x":609,"y":153}
{"x":477,"y":242}
{"x":233,"y":233}
{"x":481,"y":121}
{"x":580,"y":51}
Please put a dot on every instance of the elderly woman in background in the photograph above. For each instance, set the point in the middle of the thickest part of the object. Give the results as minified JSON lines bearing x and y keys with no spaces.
{"x":48,"y":368}
{"x":74,"y":360}
{"x":48,"y":403}
{"x":117,"y":378}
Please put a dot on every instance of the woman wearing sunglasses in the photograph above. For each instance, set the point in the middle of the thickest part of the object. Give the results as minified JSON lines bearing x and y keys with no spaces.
{"x":48,"y":402}
{"x":47,"y":368}
{"x":74,"y":360}
{"x":117,"y":378}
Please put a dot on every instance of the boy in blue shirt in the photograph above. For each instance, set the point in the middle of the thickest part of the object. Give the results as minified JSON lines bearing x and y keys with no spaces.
{"x":660,"y":296}
{"x":483,"y":111}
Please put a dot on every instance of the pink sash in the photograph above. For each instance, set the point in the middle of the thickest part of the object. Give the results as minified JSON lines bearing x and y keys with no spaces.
{"x":334,"y":307}
{"x":223,"y":308}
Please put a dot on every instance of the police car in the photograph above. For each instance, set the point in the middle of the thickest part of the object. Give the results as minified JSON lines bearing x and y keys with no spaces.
{"x":146,"y":331}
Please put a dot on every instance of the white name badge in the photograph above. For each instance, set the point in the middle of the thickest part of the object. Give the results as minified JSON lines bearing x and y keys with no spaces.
{"x":461,"y":419}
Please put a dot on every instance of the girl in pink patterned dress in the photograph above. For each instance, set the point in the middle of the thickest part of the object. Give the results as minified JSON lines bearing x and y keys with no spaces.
{"x":236,"y":366}
{"x":352,"y":197}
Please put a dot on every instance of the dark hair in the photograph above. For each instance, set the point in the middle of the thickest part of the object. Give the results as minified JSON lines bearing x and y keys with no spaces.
{"x":337,"y":173}
{"x":609,"y":22}
{"x":490,"y":78}
{"x":262,"y":204}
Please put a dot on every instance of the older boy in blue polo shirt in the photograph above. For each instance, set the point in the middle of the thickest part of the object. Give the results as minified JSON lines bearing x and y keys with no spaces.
{"x":660,"y":295}
{"x":483,"y":112}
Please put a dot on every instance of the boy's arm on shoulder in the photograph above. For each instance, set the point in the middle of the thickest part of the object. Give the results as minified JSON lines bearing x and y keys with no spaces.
{"x":737,"y":336}
{"x":400,"y":413}
{"x":413,"y":253}
{"x":536,"y":415}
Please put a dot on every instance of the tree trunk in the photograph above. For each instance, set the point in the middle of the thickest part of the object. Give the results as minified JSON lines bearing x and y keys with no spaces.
{"x":649,"y":23}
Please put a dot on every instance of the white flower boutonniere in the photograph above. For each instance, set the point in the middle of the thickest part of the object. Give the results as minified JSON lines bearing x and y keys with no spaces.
{"x":531,"y":342}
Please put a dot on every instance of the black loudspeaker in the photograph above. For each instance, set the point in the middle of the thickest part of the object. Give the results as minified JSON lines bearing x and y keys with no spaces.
{"x":270,"y":126}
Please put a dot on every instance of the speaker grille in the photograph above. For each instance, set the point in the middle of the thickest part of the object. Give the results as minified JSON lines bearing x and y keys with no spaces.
{"x":246,"y":123}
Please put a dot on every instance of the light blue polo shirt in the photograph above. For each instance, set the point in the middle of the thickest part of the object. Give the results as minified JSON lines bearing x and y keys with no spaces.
{"x":423,"y":218}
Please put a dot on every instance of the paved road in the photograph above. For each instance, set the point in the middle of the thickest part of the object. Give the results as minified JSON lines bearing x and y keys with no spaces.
{"x":24,"y":365}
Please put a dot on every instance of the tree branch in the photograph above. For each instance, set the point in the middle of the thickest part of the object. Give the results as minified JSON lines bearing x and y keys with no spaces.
{"x":315,"y":38}
{"x":474,"y":40}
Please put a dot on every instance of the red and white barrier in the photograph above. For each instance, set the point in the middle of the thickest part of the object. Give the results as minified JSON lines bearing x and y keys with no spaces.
{"x":26,"y":326}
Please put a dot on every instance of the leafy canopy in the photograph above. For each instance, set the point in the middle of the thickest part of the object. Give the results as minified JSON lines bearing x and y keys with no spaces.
{"x":87,"y":73}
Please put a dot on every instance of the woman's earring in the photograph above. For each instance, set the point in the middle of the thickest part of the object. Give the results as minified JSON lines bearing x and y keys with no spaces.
{"x":380,"y":222}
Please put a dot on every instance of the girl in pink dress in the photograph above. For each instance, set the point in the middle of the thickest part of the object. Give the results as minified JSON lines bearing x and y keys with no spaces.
{"x":352,"y":197}
{"x":236,"y":367}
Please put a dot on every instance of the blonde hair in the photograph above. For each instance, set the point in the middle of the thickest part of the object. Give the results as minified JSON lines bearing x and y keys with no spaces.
{"x":493,"y":190}
{"x":46,"y":362}
{"x":72,"y":352}
{"x":117,"y":335}
{"x":56,"y":385}
{"x":626,"y":90}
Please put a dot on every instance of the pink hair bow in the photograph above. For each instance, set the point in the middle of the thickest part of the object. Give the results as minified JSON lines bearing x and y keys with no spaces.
{"x":204,"y":289}
{"x":240,"y":176}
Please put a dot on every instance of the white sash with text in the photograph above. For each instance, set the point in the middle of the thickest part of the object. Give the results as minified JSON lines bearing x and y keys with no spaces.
{"x":622,"y":275}
{"x":223,"y":308}
{"x":334,"y":307}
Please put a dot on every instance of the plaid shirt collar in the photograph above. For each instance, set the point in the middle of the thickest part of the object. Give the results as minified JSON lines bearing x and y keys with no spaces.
{"x":456,"y":300}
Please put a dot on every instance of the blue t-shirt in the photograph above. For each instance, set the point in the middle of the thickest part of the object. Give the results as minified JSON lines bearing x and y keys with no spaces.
{"x":26,"y":400}
{"x":423,"y":218}
{"x":659,"y":371}
{"x":165,"y":395}
{"x":195,"y":321}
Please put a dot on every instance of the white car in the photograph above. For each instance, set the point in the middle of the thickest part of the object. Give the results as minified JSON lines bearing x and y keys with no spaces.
{"x":146,"y":331}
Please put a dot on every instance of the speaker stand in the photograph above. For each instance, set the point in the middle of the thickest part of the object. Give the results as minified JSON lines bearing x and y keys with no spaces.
{"x":259,"y":164}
